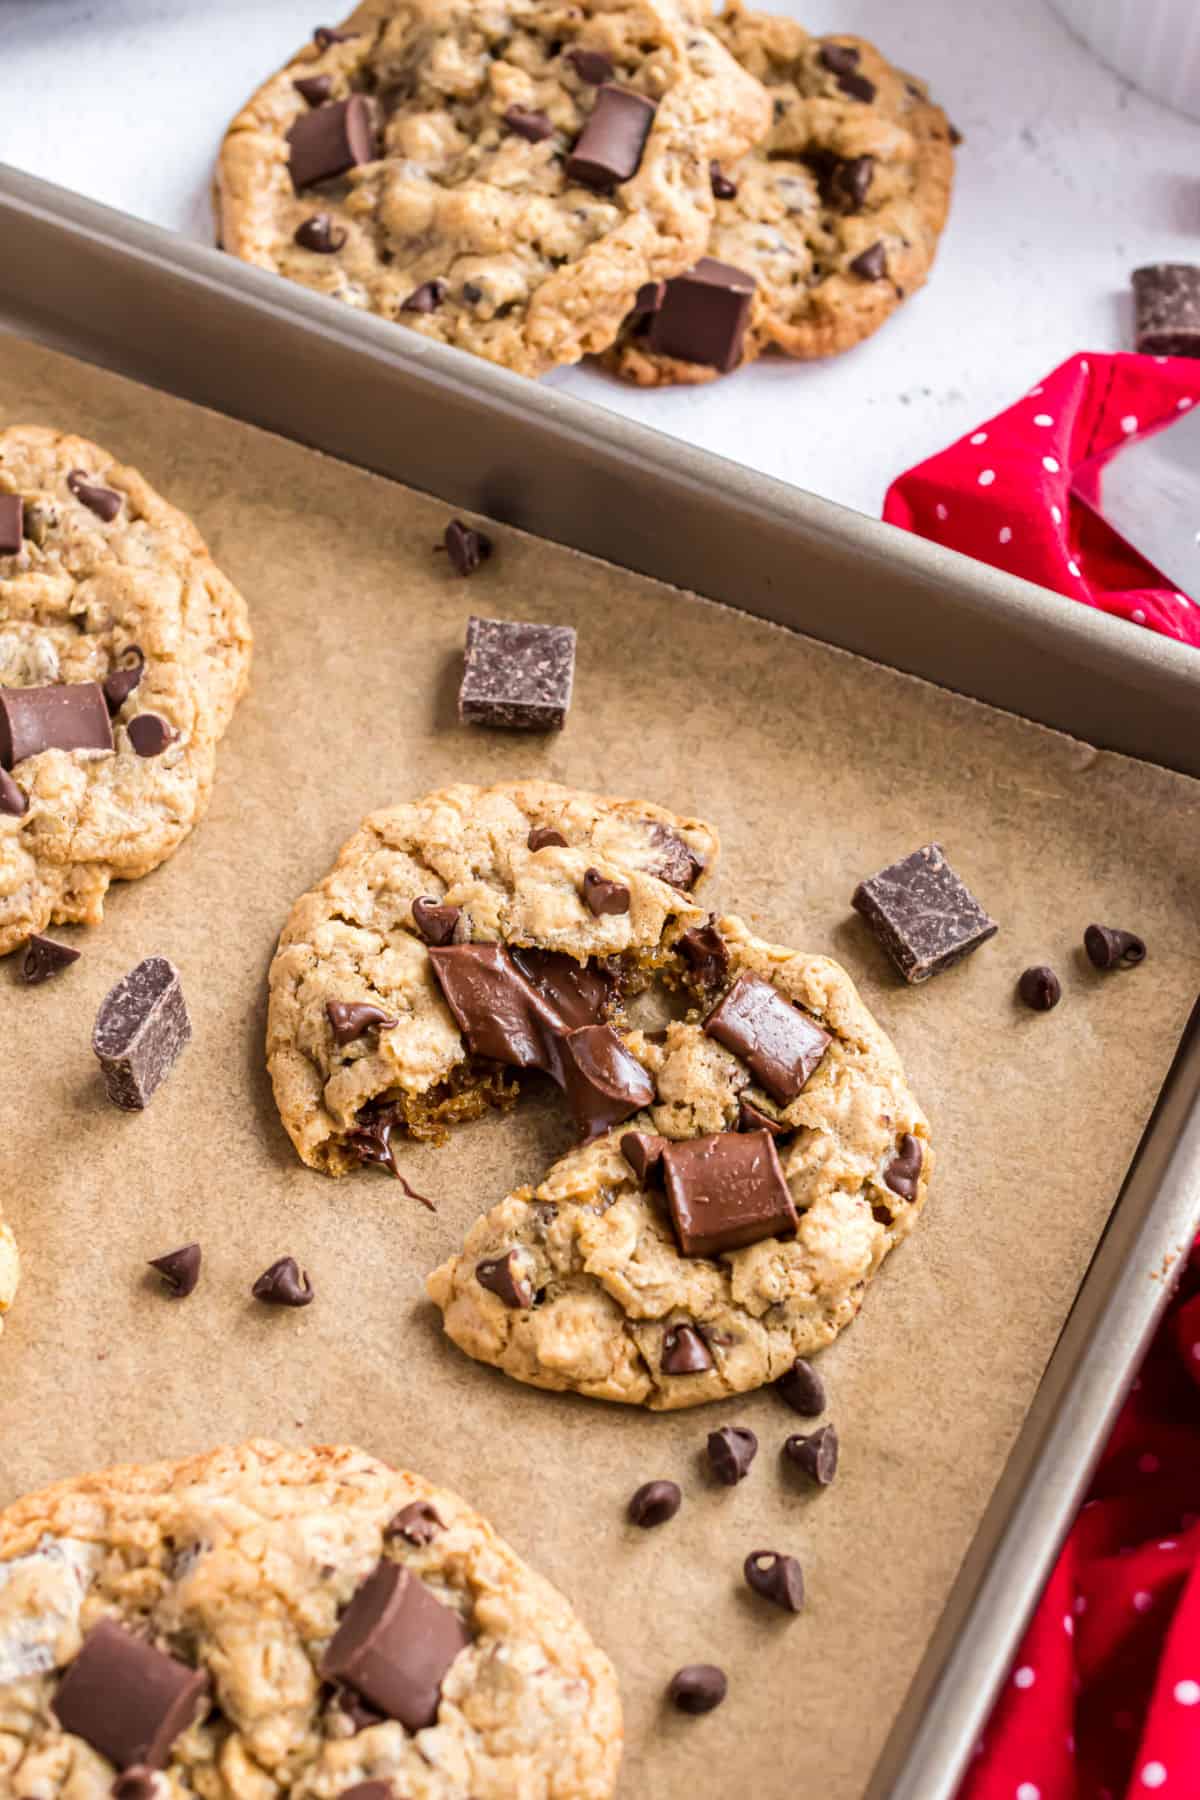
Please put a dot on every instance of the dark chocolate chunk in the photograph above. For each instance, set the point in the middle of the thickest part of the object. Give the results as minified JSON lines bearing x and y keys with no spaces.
{"x":1108,"y":947}
{"x":726,"y":1191}
{"x":870,"y":264}
{"x":180,"y":1270}
{"x":122,"y":681}
{"x":643,"y":1151}
{"x":904,"y":1170}
{"x":600,"y":895}
{"x":503,"y":1276}
{"x":1167,"y":308}
{"x":676,"y":862}
{"x":604,"y":1082}
{"x":140,"y":1030}
{"x":316,"y":89}
{"x":648,"y":299}
{"x":395,"y":1644}
{"x":436,"y":923}
{"x":125,"y":1698}
{"x":780,"y":1045}
{"x":706,"y":954}
{"x":12,"y":524}
{"x":803,"y":1389}
{"x":284,"y":1284}
{"x":544,"y":837}
{"x":777,"y":1578}
{"x":351,"y":1019}
{"x":466,"y":547}
{"x":1040,"y":988}
{"x":752,"y":1118}
{"x":580,"y":993}
{"x":498,"y":1010}
{"x":518,"y":675}
{"x":105,"y":502}
{"x":324,"y":35}
{"x":704,"y":314}
{"x":369,"y":1790}
{"x":352,"y":1706}
{"x":417,"y":1523}
{"x":12,"y":801}
{"x":816,"y":1454}
{"x":320,"y":234}
{"x":150,"y":734}
{"x":592,"y":66}
{"x":534,"y":127}
{"x":426,"y":298}
{"x":697,"y":1688}
{"x":730,"y":1452}
{"x":849,"y":182}
{"x":609,"y":149}
{"x":138,"y":1783}
{"x":69,"y":715}
{"x":44,"y":959}
{"x":923,"y":915}
{"x":329,"y":140}
{"x":654,"y":1503}
{"x":723,"y":186}
{"x":684,"y":1352}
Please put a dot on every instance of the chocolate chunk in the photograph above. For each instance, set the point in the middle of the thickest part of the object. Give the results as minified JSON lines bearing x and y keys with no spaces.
{"x":1167,"y":308}
{"x":777,"y":1578}
{"x":870,"y":264}
{"x":839,"y":59}
{"x":325,"y":35}
{"x":395,"y":1644}
{"x":922,"y":914}
{"x":609,"y":149}
{"x":600,"y":895}
{"x":329,"y":140}
{"x":704,"y":314}
{"x":123,"y":680}
{"x":643,"y":1151}
{"x":436,"y":923}
{"x":697,"y":1688}
{"x":684,"y":1352}
{"x":283,"y":1284}
{"x":604,"y":1082}
{"x":730,"y":1452}
{"x":751,"y":1118}
{"x":502,"y":1276}
{"x":849,"y":182}
{"x":65,"y":716}
{"x":138,"y":1783}
{"x":803,"y":1389}
{"x":706,"y":954}
{"x":498,"y":1010}
{"x":141,"y":1028}
{"x":723,"y":187}
{"x":180,"y":1269}
{"x":125,"y":1698}
{"x":518,"y":675}
{"x":1040,"y":988}
{"x":466,"y":547}
{"x":12,"y":524}
{"x":320,"y":234}
{"x":580,"y":993}
{"x":780,"y":1045}
{"x":592,"y":66}
{"x":44,"y":959}
{"x":648,"y":299}
{"x":534,"y":127}
{"x":904,"y":1170}
{"x":1108,"y":947}
{"x":316,"y":89}
{"x":361,"y":1716}
{"x":675,"y":862}
{"x":417,"y":1523}
{"x":105,"y":502}
{"x":150,"y":734}
{"x":426,"y":298}
{"x":351,"y":1019}
{"x":654,"y":1503}
{"x":726,"y":1191}
{"x":12,"y":801}
{"x":858,"y":87}
{"x":369,"y":1790}
{"x":816,"y":1454}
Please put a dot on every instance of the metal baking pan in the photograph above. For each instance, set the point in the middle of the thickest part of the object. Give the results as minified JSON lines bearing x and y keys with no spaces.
{"x":182,"y":317}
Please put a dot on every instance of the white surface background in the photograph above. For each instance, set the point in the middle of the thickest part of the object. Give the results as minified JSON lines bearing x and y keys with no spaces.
{"x":1068,"y":179}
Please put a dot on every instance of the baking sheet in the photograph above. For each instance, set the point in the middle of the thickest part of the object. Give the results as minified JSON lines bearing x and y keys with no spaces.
{"x":818,"y":768}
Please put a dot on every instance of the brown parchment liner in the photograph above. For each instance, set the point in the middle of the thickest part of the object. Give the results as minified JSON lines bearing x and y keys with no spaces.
{"x":817,"y":768}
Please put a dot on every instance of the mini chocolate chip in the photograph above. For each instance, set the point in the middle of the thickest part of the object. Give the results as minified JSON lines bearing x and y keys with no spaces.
{"x":426,"y":298}
{"x":12,"y":801}
{"x":870,"y":264}
{"x":351,"y":1019}
{"x":698,"y":1688}
{"x":730,"y":1452}
{"x":803,"y":1389}
{"x":544,"y":837}
{"x":283,"y":1284}
{"x":534,"y":127}
{"x":122,"y":681}
{"x":816,"y":1454}
{"x":320,"y":234}
{"x":466,"y":547}
{"x":417,"y":1523}
{"x":435,"y":922}
{"x":180,"y":1270}
{"x":684,"y":1352}
{"x":150,"y":734}
{"x":1040,"y":988}
{"x":502,"y":1276}
{"x":104,"y":502}
{"x":591,"y":66}
{"x":723,"y":186}
{"x":44,"y":958}
{"x":313,"y":88}
{"x":1109,"y":947}
{"x":600,"y":895}
{"x":654,"y":1503}
{"x":777,"y":1578}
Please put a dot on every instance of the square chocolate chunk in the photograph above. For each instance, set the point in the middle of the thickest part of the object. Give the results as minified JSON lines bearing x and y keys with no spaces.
{"x":518,"y":676}
{"x":704,"y":314}
{"x":141,"y":1028}
{"x":726,"y":1191}
{"x":1166,"y":299}
{"x":923,"y":915}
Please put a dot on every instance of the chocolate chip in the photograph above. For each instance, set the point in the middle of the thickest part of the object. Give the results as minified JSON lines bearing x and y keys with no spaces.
{"x":466,"y":547}
{"x":751,"y":1118}
{"x":648,"y":299}
{"x":723,"y":187}
{"x":44,"y":959}
{"x":534,"y":127}
{"x":816,"y":1455}
{"x":1167,"y":308}
{"x":643,"y":1151}
{"x":1108,"y":947}
{"x":395,"y":1644}
{"x":329,"y":140}
{"x":141,"y":1029}
{"x":351,"y":1019}
{"x":180,"y":1269}
{"x":849,"y":182}
{"x":544,"y":837}
{"x":283,"y":1284}
{"x":726,"y":1191}
{"x":138,"y":1783}
{"x":320,"y":235}
{"x":592,"y":66}
{"x":684,"y":1352}
{"x":12,"y":801}
{"x":609,"y":149}
{"x":857,"y":87}
{"x":122,"y":681}
{"x":498,"y":1010}
{"x":730,"y":1452}
{"x":12,"y":524}
{"x":777,"y":1578}
{"x":517,"y":675}
{"x":603,"y":1081}
{"x":922,"y":914}
{"x":472,"y":293}
{"x":426,"y":298}
{"x":839,"y":59}
{"x":675,"y":862}
{"x":706,"y":954}
{"x":418,"y":1523}
{"x":105,"y":502}
{"x":369,"y":1790}
{"x":654,"y":1503}
{"x":870,"y":264}
{"x":697,"y":1688}
{"x":150,"y":734}
{"x":125,"y":1698}
{"x":502,"y":1276}
{"x":780,"y":1045}
{"x":704,"y":314}
{"x":580,"y":993}
{"x":324,"y":35}
{"x":436,"y":923}
{"x":1040,"y":988}
{"x":371,"y":1142}
{"x":314,"y":88}
{"x":903,"y":1172}
{"x":601,"y":896}
{"x":65,"y":716}
{"x":802,"y":1389}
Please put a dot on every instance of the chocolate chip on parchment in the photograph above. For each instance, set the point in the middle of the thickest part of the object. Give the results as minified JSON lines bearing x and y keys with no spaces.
{"x":816,"y":1454}
{"x":150,"y":734}
{"x":517,"y":676}
{"x":723,"y":186}
{"x":68,"y":715}
{"x":125,"y":1698}
{"x":604,"y":1082}
{"x":600,"y":895}
{"x":1167,"y":309}
{"x":924,"y":917}
{"x":426,"y":298}
{"x":706,"y":953}
{"x":12,"y":524}
{"x":105,"y":502}
{"x":140,"y":1031}
{"x":726,"y":1191}
{"x":121,"y":681}
{"x":320,"y":234}
{"x":418,"y":1523}
{"x":180,"y":1270}
{"x":503,"y":1276}
{"x":643,"y":1151}
{"x":684,"y":1352}
{"x":802,"y":1388}
{"x":284,"y":1284}
{"x":697,"y":1688}
{"x":351,"y":1019}
{"x":870,"y":264}
{"x":780,"y":1045}
{"x":314,"y":88}
{"x":436,"y":922}
{"x":13,"y":802}
{"x":466,"y":547}
{"x":654,"y":1503}
{"x":499,"y":1011}
{"x":1040,"y":988}
{"x":329,"y":140}
{"x":44,"y":959}
{"x":776,"y":1577}
{"x":752,"y":1118}
{"x":544,"y":837}
{"x":609,"y":149}
{"x":1108,"y":947}
{"x":395,"y":1644}
{"x":592,"y":66}
{"x":849,"y":182}
{"x":704,"y":314}
{"x":730,"y":1452}
{"x":533,"y":126}
{"x":904,"y":1170}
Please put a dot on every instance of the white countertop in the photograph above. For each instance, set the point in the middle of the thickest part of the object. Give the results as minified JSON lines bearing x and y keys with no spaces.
{"x":1068,"y":179}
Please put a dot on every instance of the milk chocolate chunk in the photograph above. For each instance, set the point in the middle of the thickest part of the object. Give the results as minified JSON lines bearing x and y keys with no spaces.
{"x":351,"y":1019}
{"x":591,"y":66}
{"x":105,"y":502}
{"x":704,"y":314}
{"x":12,"y":524}
{"x":518,"y":675}
{"x":123,"y":680}
{"x":580,"y":993}
{"x":730,"y":1452}
{"x":126,"y":1699}
{"x":777,"y":1578}
{"x":685,"y":1352}
{"x":849,"y":182}
{"x":435,"y":922}
{"x":180,"y":1270}
{"x":904,"y":1170}
{"x":417,"y":1523}
{"x":503,"y":1276}
{"x":870,"y":264}
{"x":752,"y":1118}
{"x":697,"y":1688}
{"x":1040,"y":988}
{"x":150,"y":734}
{"x":780,"y":1045}
{"x":140,"y":1030}
{"x":544,"y":837}
{"x":654,"y":1503}
{"x":1166,"y":299}
{"x":329,"y":140}
{"x":69,"y":715}
{"x":533,"y":126}
{"x":600,"y":895}
{"x":923,"y":915}
{"x":675,"y":862}
{"x":803,"y":1389}
{"x":706,"y":954}
{"x":643,"y":1151}
{"x":498,"y":1010}
{"x":320,"y":234}
{"x":466,"y":547}
{"x":726,"y":1191}
{"x":604,"y":1082}
{"x":426,"y":298}
{"x":44,"y":959}
{"x":1108,"y":947}
{"x":609,"y":149}
{"x":815,"y":1455}
{"x":284,"y":1284}
{"x":13,"y":802}
{"x":395,"y":1644}
{"x":316,"y":89}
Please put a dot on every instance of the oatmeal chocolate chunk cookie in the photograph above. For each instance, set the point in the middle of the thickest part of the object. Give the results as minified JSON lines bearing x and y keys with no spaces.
{"x":202,"y":1628}
{"x":123,"y":652}
{"x":836,"y":215}
{"x":780,"y":1050}
{"x":458,"y":938}
{"x":503,"y":177}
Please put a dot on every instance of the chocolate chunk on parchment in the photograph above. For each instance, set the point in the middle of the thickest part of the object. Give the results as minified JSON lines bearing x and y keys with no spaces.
{"x":592,"y":66}
{"x":609,"y":149}
{"x":684,"y":1351}
{"x":140,"y":1030}
{"x":351,"y":1019}
{"x":505,"y":1277}
{"x":904,"y":1170}
{"x":329,"y":140}
{"x":12,"y":524}
{"x":1108,"y":947}
{"x":580,"y":993}
{"x":466,"y":547}
{"x":780,"y":1045}
{"x":1166,"y":299}
{"x":704,"y":314}
{"x":604,"y":1082}
{"x":601,"y":895}
{"x":319,"y":234}
{"x":121,"y":681}
{"x":730,"y":1452}
{"x":125,"y":1698}
{"x":803,"y":1389}
{"x":499,"y":1011}
{"x":105,"y":502}
{"x":284,"y":1283}
{"x":697,"y":1688}
{"x":394,"y":1644}
{"x":922,"y":914}
{"x":815,"y":1455}
{"x":726,"y":1191}
{"x":67,"y":715}
{"x":44,"y":959}
{"x":180,"y":1270}
{"x":777,"y":1578}
{"x":417,"y":1523}
{"x":654,"y":1503}
{"x":1040,"y":988}
{"x":517,"y":675}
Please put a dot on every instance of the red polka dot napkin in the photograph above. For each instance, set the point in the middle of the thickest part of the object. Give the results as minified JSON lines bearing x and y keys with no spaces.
{"x":1002,"y":493}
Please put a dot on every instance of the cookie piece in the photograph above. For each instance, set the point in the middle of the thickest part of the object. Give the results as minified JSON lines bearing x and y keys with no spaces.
{"x":835,"y":215}
{"x":480,"y":189}
{"x":618,"y":1312}
{"x":111,"y":588}
{"x":250,"y":1568}
{"x":420,"y":883}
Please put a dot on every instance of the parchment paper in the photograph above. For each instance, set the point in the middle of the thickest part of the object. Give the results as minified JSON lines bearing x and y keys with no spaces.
{"x":818,"y":768}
